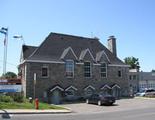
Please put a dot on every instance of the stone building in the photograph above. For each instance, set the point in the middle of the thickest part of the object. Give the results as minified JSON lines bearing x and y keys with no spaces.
{"x":70,"y":67}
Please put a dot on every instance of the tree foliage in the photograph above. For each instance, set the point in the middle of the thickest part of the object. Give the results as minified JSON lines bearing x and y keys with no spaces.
{"x":133,"y":62}
{"x":10,"y":75}
{"x":152,"y":70}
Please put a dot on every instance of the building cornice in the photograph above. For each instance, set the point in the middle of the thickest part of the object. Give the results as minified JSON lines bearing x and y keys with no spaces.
{"x":116,"y":65}
{"x":61,"y":62}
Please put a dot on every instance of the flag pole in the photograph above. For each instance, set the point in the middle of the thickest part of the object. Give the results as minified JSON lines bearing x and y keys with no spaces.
{"x":5,"y":32}
{"x":5,"y":52}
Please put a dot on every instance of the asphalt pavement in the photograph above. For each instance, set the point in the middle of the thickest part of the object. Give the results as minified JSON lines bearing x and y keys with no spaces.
{"x":135,"y":114}
{"x":120,"y":105}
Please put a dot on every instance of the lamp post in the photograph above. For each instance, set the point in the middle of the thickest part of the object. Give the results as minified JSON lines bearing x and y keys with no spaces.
{"x":19,"y":37}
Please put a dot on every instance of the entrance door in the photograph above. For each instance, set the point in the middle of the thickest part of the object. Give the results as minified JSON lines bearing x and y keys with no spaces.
{"x":116,"y":92}
{"x":56,"y":97}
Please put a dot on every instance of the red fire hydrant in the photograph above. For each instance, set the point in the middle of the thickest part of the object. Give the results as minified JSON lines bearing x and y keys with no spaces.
{"x":36,"y":103}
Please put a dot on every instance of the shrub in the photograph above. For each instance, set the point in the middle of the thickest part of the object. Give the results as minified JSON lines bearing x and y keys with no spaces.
{"x":18,"y":98}
{"x":4,"y":98}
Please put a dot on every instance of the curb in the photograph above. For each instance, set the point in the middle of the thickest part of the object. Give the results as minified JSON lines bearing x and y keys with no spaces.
{"x":34,"y":112}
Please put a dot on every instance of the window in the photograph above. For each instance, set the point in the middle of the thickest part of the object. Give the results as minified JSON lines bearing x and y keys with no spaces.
{"x":69,"y":68}
{"x":134,"y":77}
{"x":89,"y":92}
{"x":87,"y":69}
{"x":103,"y":70}
{"x":119,"y":73}
{"x":45,"y":71}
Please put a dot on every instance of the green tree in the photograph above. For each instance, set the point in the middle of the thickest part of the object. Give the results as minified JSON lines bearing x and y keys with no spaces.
{"x":152,"y":70}
{"x":133,"y":62}
{"x":10,"y":75}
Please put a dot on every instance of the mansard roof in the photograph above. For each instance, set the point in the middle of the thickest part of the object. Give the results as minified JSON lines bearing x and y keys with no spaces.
{"x":57,"y":45}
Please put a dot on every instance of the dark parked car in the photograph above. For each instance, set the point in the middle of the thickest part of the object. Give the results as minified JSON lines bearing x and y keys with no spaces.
{"x":101,"y":99}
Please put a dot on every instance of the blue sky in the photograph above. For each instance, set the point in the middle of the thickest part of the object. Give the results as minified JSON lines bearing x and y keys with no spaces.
{"x":132,"y":22}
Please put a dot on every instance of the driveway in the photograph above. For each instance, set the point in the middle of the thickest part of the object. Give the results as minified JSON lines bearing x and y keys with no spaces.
{"x":120,"y":105}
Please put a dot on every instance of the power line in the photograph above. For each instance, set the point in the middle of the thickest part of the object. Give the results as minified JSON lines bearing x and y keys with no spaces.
{"x":9,"y":63}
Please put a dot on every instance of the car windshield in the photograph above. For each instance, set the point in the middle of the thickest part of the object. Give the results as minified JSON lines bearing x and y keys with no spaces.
{"x":105,"y":95}
{"x":151,"y":90}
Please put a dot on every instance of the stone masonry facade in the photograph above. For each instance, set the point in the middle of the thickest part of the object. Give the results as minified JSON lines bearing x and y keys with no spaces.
{"x":55,"y":85}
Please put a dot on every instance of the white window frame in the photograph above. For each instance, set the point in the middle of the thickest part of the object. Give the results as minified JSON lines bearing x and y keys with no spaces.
{"x":66,"y":70}
{"x":87,"y":71}
{"x":103,"y":72}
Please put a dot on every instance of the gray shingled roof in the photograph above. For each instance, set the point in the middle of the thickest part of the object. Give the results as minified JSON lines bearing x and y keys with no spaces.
{"x":28,"y":50}
{"x":55,"y":44}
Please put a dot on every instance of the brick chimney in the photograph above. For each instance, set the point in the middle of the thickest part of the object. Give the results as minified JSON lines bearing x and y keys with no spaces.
{"x":112,"y":45}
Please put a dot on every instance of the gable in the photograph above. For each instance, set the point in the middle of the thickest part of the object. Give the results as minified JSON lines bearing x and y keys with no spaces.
{"x":71,"y":88}
{"x":68,"y":53}
{"x":86,"y":55}
{"x":102,"y":57}
{"x":56,"y":87}
{"x":89,"y":87}
{"x":115,"y":86}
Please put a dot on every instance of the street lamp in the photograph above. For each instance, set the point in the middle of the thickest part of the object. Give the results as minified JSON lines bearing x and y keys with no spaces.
{"x":19,"y":37}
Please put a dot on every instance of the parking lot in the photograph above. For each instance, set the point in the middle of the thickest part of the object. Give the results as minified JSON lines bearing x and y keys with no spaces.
{"x":120,"y":105}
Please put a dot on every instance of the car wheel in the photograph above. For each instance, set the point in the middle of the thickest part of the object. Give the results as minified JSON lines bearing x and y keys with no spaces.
{"x":110,"y":104}
{"x":87,"y":101}
{"x":99,"y":103}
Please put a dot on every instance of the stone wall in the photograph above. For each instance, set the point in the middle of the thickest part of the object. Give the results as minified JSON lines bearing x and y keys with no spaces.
{"x":57,"y":77}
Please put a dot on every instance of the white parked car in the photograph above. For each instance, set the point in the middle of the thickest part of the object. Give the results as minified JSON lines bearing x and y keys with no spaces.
{"x":145,"y":92}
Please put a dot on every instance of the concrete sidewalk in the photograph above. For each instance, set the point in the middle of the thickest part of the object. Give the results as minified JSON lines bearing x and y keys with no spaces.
{"x":33,"y":111}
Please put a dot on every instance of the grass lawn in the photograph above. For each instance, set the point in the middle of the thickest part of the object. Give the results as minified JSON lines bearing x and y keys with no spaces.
{"x":27,"y":105}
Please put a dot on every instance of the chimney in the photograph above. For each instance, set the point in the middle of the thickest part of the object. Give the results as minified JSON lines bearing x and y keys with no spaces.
{"x":112,"y":45}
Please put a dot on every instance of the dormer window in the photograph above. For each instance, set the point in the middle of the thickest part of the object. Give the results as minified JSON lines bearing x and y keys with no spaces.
{"x":69,"y":68}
